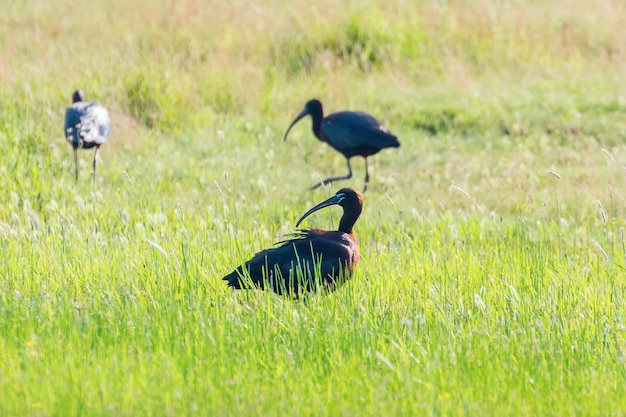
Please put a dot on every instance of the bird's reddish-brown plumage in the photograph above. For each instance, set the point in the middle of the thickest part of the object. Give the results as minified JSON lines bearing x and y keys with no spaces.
{"x":309,"y":258}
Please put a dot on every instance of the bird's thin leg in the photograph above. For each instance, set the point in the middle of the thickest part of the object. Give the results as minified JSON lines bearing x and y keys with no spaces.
{"x":95,"y":162}
{"x":76,"y":164}
{"x":367,"y":176}
{"x":333,"y":179}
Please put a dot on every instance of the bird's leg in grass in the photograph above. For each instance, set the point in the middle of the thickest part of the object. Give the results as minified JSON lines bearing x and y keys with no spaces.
{"x":333,"y":179}
{"x":367,"y":175}
{"x":95,"y":162}
{"x":76,"y":163}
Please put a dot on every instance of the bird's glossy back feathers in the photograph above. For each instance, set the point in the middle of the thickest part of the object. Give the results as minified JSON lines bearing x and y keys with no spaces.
{"x":87,"y":124}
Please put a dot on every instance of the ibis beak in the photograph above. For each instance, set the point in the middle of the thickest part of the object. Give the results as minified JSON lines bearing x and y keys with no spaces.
{"x":336,"y":199}
{"x":303,"y":113}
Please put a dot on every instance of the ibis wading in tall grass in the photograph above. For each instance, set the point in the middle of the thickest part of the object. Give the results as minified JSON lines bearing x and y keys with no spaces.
{"x":87,"y":125}
{"x":351,"y":133}
{"x":311,"y":259}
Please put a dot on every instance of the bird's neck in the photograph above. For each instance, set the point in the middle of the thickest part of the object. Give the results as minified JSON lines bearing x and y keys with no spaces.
{"x":347,"y":222}
{"x":317,"y":131}
{"x":317,"y":117}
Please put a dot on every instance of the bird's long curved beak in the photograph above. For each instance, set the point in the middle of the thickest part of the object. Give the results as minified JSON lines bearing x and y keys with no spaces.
{"x":336,"y":199}
{"x":303,"y":113}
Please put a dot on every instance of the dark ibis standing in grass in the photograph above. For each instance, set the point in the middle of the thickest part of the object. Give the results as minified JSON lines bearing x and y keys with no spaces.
{"x":351,"y":133}
{"x":311,"y":259}
{"x":87,"y":125}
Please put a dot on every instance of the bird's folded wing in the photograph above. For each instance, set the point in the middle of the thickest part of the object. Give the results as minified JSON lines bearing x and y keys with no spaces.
{"x":347,"y":130}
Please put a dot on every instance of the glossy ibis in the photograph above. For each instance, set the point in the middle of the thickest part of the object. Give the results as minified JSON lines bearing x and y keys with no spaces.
{"x":310,"y":258}
{"x":351,"y":133}
{"x":87,"y":125}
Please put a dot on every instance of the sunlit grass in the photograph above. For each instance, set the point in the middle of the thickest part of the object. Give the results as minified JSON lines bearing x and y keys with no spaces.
{"x":493,"y":248}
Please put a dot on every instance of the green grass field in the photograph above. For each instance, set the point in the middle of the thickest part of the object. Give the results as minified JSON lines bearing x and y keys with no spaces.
{"x":493,"y":272}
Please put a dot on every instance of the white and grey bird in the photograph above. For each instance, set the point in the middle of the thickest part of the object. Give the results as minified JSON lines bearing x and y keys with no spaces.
{"x":87,"y":125}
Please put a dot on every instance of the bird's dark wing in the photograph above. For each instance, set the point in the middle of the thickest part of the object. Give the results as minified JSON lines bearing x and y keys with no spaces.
{"x":347,"y":130}
{"x":87,"y":123}
{"x":296,"y":265}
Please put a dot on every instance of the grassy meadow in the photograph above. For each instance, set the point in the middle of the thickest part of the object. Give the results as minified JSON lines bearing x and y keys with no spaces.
{"x":493,"y":271}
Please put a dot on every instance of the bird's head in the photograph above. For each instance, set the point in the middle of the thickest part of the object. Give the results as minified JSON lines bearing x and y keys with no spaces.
{"x":312,"y":108}
{"x":349,"y":199}
{"x":78,"y":96}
